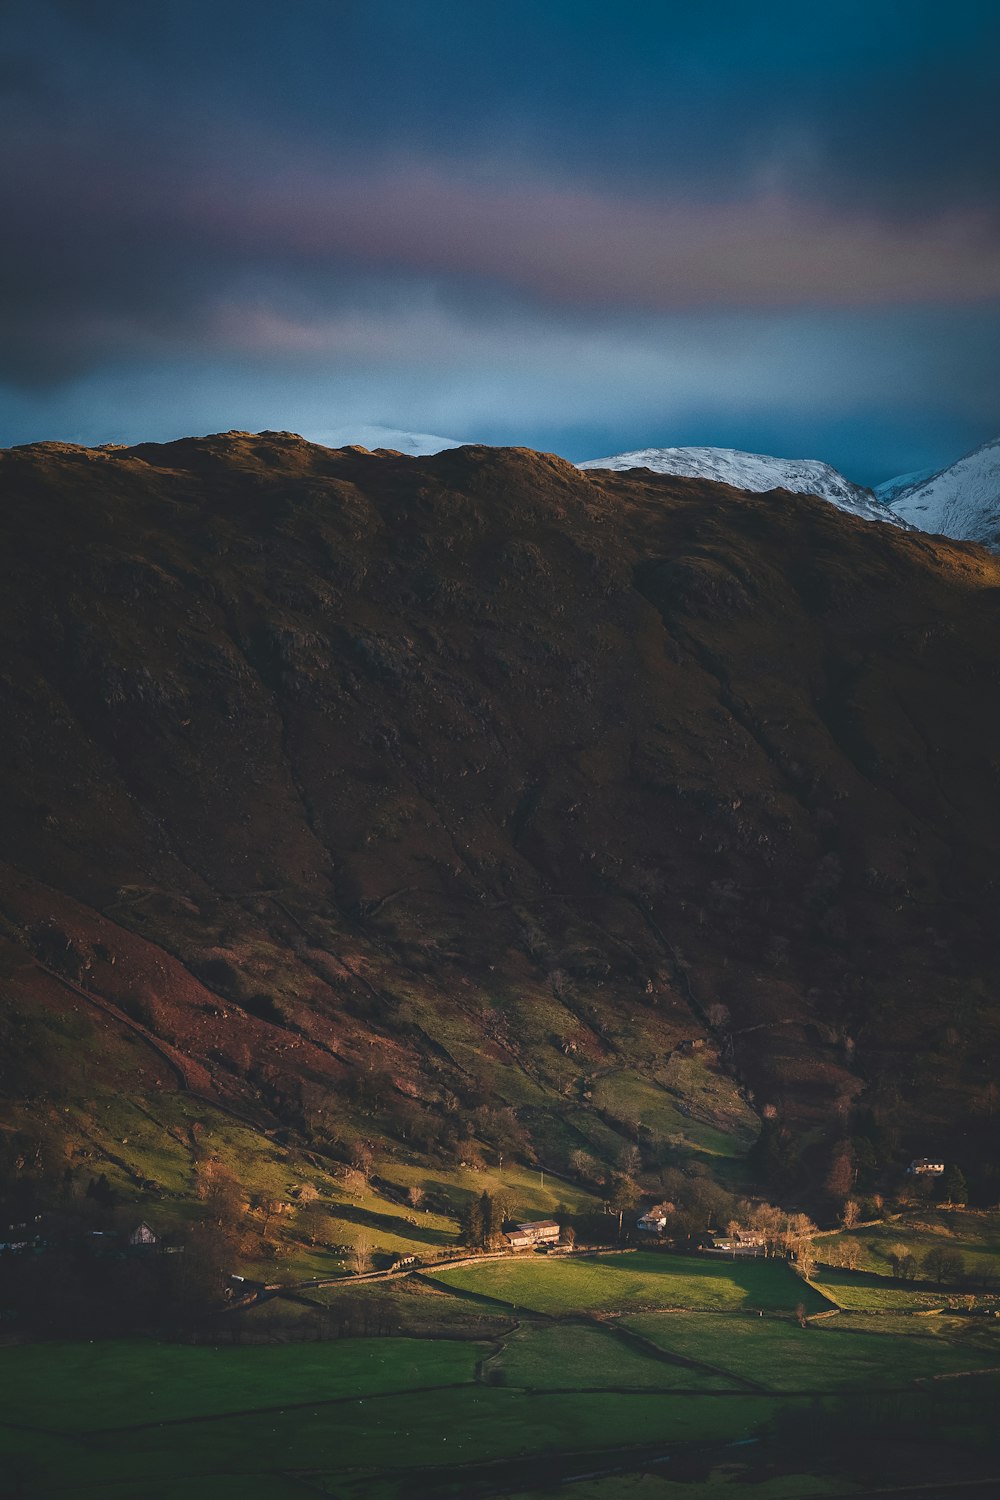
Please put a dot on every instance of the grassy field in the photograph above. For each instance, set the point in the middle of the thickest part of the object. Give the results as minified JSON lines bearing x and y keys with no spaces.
{"x":393,"y":1418}
{"x":353,"y":1406}
{"x":557,"y":1356}
{"x":129,"y":1382}
{"x":781,"y":1356}
{"x":859,"y":1291}
{"x":615,"y":1283}
{"x":976,"y":1237}
{"x":698,"y":1110}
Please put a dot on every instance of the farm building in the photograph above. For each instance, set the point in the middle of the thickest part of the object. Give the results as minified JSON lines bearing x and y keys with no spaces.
{"x":923,"y":1166}
{"x":740,"y":1242}
{"x":142,"y":1236}
{"x":539,"y":1232}
{"x":517,"y":1239}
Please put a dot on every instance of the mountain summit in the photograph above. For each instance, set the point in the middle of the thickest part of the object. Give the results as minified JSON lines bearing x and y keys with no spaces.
{"x":755,"y":473}
{"x":961,"y":501}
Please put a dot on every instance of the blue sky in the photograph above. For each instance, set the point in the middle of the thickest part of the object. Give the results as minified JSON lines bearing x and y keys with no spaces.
{"x":578,"y":226}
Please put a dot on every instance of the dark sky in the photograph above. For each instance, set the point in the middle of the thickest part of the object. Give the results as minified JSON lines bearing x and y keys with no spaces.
{"x":581,"y":226}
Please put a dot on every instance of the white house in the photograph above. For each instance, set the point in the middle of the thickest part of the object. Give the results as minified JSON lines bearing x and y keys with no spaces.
{"x":923,"y":1166}
{"x":654,"y":1220}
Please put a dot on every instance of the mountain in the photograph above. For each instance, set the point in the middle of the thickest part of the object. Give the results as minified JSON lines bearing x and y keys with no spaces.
{"x":755,"y":473}
{"x":371,"y":436}
{"x":962,"y":501}
{"x":887,"y":491}
{"x":428,"y":809}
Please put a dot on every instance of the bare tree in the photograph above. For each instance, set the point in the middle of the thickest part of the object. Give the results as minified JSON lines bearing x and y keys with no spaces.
{"x":850,"y":1213}
{"x":313,"y":1222}
{"x":361,"y":1255}
{"x":362,"y":1158}
{"x":851,"y":1254}
{"x":414,"y":1195}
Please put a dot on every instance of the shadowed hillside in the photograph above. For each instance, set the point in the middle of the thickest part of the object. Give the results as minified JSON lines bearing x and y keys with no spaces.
{"x":437,"y":801}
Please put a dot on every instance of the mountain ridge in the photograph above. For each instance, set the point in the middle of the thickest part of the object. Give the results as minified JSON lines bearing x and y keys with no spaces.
{"x":961,"y":500}
{"x":420,"y":797}
{"x":754,"y":472}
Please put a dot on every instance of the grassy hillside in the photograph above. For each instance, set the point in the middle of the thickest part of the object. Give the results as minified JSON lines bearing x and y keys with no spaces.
{"x":415,"y":818}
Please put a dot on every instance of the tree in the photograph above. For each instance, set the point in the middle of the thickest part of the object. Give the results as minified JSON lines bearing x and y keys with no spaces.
{"x":941,"y":1264}
{"x":952,"y":1266}
{"x":225,"y":1205}
{"x":850,"y":1213}
{"x":955,"y":1189}
{"x":567,"y":1236}
{"x":361,"y":1255}
{"x":313,"y":1222}
{"x":805,"y":1256}
{"x":500,"y":1209}
{"x":472,"y":1225}
{"x":850,"y":1251}
{"x":895,"y":1255}
{"x":267,"y":1207}
{"x":624,"y":1195}
{"x":583,"y":1165}
{"x":414,"y":1195}
{"x":362,"y":1158}
{"x":769,"y":1222}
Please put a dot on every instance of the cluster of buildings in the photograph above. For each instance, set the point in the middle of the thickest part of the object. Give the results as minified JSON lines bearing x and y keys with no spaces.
{"x":528,"y":1236}
{"x":18,"y":1238}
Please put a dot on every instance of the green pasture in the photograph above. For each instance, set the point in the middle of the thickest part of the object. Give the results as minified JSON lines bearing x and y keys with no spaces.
{"x":859,"y":1291}
{"x":559,"y":1285}
{"x":141,"y":1418}
{"x":556,"y":1356}
{"x":780,"y":1356}
{"x":126,"y":1382}
{"x":698,"y":1110}
{"x":976,"y":1237}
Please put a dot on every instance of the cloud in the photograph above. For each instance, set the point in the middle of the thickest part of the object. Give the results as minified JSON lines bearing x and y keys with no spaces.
{"x":108,"y":256}
{"x":503,"y":217}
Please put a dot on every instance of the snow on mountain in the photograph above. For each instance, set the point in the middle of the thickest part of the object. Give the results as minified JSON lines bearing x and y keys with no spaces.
{"x":370,"y":435}
{"x":755,"y":472}
{"x":962,"y":501}
{"x":886,"y":492}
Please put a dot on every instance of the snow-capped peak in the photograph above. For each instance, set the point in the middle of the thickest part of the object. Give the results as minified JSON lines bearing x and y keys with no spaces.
{"x":755,"y":472}
{"x":962,"y":501}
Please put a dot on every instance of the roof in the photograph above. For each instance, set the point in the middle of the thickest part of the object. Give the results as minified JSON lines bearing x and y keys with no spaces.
{"x":540,"y":1224}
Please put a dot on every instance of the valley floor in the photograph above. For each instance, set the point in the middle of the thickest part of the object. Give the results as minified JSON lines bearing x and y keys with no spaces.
{"x":654,"y":1376}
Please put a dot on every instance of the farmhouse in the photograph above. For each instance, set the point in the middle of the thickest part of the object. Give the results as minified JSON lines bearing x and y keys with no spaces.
{"x":740,"y":1242}
{"x":539,"y":1232}
{"x":923,"y":1166}
{"x":142,"y":1236}
{"x":654,"y":1220}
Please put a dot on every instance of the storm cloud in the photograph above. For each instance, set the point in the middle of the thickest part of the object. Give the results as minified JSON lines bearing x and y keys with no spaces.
{"x":581,"y":226}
